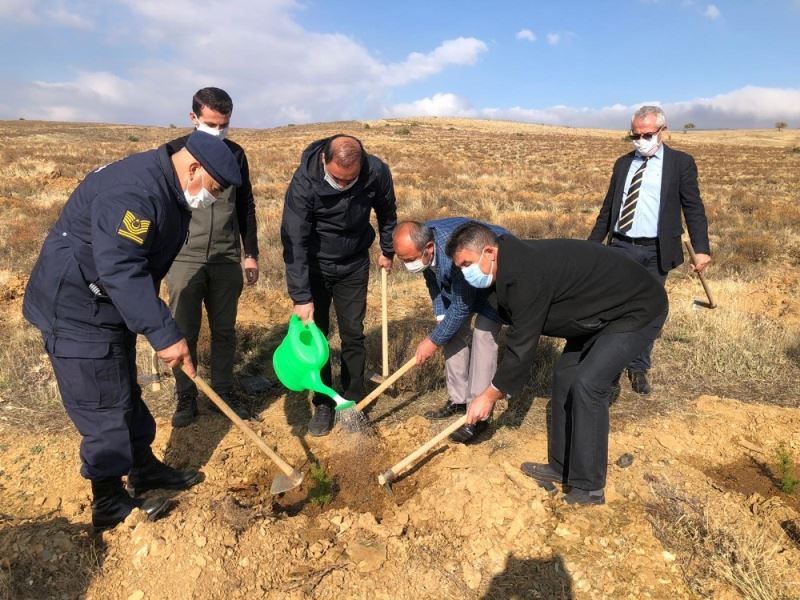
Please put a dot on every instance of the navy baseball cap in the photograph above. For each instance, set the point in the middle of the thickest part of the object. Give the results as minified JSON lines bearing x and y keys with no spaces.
{"x":216,"y":158}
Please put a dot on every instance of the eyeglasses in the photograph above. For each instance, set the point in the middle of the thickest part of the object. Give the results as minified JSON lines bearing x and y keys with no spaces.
{"x":647,"y":136}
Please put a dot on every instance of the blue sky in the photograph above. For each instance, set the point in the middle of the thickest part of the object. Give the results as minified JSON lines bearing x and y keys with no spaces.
{"x":720,"y":64}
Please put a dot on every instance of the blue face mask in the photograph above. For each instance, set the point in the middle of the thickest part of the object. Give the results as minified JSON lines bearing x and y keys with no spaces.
{"x":475,"y":277}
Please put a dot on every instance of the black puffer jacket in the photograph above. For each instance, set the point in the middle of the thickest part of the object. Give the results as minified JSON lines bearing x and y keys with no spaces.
{"x":330,"y":231}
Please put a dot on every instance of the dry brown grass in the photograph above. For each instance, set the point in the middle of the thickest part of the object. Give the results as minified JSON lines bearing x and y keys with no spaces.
{"x":538,"y":181}
{"x":722,"y":545}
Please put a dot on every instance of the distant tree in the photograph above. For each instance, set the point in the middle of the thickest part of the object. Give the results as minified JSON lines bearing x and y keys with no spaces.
{"x":781,"y":125}
{"x":687,"y":127}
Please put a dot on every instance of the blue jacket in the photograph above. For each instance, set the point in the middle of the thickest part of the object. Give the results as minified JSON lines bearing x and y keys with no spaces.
{"x":101,"y":265}
{"x":452,"y":296}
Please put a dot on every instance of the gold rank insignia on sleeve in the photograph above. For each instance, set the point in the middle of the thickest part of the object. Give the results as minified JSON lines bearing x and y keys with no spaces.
{"x":133,"y":228}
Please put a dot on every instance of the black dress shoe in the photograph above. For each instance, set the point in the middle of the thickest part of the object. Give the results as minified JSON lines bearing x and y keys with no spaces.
{"x":585,"y":497}
{"x":466,"y":434}
{"x":445,"y":412}
{"x":541,"y":472}
{"x":639,"y":383}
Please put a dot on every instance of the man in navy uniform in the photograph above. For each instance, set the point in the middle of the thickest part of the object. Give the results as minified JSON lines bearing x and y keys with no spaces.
{"x":95,"y":286}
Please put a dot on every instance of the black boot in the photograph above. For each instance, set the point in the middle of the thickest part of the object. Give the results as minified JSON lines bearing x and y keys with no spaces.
{"x":185,"y":409}
{"x":322,"y":421}
{"x":111,"y":504}
{"x":639,"y":383}
{"x":149,"y":473}
{"x":234,"y":403}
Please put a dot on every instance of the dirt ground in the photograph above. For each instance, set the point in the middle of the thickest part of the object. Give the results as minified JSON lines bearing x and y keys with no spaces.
{"x":698,"y":514}
{"x":464,"y":523}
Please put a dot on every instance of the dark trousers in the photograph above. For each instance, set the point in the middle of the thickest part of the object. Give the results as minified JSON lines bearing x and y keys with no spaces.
{"x":99,"y":390}
{"x":577,"y":442}
{"x":647,"y":256}
{"x":218,"y":287}
{"x":349,"y":296}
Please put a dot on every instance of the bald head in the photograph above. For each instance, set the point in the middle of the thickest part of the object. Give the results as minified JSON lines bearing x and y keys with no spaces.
{"x":411,"y":239}
{"x":343,"y":150}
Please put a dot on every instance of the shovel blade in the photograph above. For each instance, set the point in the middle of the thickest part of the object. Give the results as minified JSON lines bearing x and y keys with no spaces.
{"x":283,"y":483}
{"x":702,"y":304}
{"x":377,"y":378}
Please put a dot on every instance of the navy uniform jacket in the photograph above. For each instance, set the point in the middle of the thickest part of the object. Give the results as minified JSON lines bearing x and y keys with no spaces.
{"x":101,"y":265}
{"x":452,"y":296}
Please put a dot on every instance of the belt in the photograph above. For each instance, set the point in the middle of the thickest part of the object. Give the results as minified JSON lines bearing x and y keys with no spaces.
{"x":641,"y":241}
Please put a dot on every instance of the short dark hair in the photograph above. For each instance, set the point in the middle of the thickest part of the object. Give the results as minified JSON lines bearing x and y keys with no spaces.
{"x":472,"y":236}
{"x":419,"y":233}
{"x":346,"y":154}
{"x":214,"y":98}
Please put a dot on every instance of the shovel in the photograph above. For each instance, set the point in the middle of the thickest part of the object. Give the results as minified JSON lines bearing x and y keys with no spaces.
{"x":387,"y":382}
{"x":290,"y":478}
{"x":693,"y":257}
{"x":386,"y":478}
{"x":376,"y":378}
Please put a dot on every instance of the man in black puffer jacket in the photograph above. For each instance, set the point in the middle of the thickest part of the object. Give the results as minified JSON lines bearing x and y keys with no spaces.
{"x":326,"y":235}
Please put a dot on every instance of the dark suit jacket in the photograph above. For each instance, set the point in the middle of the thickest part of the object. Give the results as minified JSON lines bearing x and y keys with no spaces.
{"x":679,"y":190}
{"x":567,"y":289}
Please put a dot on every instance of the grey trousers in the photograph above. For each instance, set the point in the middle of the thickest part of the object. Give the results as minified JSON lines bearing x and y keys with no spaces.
{"x":218,"y":287}
{"x":470,"y":367}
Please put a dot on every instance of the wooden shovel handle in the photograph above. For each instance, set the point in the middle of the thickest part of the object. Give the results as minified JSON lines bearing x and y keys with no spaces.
{"x":262,"y":445}
{"x":369,"y":398}
{"x":397,"y":469}
{"x":384,"y":322}
{"x":700,"y":274}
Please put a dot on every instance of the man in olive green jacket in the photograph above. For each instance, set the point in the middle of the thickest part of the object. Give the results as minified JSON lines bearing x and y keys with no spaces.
{"x":208,"y":268}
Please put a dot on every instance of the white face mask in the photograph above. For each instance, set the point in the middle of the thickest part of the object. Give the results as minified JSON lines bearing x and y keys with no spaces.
{"x":417,"y":266}
{"x":202,"y":199}
{"x":333,"y":183}
{"x":220,"y":133}
{"x":647,"y":147}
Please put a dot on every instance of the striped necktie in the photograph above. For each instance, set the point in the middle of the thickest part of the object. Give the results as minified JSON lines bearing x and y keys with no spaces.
{"x":629,"y":206}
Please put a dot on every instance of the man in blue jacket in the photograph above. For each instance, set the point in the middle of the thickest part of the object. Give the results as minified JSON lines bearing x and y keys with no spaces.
{"x":95,"y":286}
{"x":469,"y":367}
{"x":326,"y":235}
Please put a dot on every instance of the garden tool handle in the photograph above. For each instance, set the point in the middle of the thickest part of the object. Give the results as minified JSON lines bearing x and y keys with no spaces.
{"x":700,"y":274}
{"x":397,"y":469}
{"x":262,"y":445}
{"x":384,"y":321}
{"x":369,"y":398}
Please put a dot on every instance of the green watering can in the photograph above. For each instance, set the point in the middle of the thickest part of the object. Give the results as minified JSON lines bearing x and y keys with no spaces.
{"x":300,"y":356}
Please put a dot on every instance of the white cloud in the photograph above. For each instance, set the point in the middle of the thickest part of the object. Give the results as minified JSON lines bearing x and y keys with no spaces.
{"x":526,"y":34}
{"x":35,"y":12}
{"x":276,"y":70}
{"x":438,"y":105}
{"x":553,"y":38}
{"x":64,"y":17}
{"x":712,"y":12}
{"x":461,"y":51}
{"x":749,"y":106}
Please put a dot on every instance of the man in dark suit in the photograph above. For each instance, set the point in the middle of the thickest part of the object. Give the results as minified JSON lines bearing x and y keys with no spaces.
{"x":469,"y":365}
{"x":607,"y":308}
{"x":641,"y":213}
